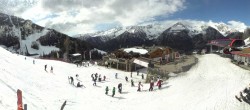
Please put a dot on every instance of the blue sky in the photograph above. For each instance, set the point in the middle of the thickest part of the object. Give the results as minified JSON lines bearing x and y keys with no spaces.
{"x":215,"y":10}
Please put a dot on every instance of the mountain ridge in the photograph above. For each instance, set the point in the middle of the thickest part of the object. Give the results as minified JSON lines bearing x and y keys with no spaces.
{"x":198,"y":36}
{"x":25,"y":37}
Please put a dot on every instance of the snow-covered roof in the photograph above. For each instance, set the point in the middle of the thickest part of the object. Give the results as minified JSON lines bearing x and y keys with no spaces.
{"x":140,"y":62}
{"x":99,"y":51}
{"x":76,"y":54}
{"x":136,"y":50}
{"x":247,"y":41}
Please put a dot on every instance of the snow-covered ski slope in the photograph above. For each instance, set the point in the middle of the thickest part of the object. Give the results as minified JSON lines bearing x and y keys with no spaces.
{"x":209,"y":85}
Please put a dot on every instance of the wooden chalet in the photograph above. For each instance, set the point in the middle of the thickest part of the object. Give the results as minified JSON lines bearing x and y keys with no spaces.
{"x":163,"y":54}
{"x":242,"y":57}
{"x":132,"y":61}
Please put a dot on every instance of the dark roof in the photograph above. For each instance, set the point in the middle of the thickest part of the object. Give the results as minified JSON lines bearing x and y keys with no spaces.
{"x":223,"y":42}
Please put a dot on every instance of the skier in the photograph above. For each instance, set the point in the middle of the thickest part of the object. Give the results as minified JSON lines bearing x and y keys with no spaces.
{"x":77,"y":77}
{"x":106,"y":64}
{"x":94,"y":84}
{"x":151,"y":85}
{"x":71,"y":80}
{"x":137,"y":73}
{"x":116,"y":74}
{"x":100,"y":78}
{"x":96,"y":75}
{"x":113,"y":92}
{"x":33,"y":61}
{"x":159,"y":83}
{"x":120,"y":88}
{"x":246,"y":90}
{"x":45,"y":67}
{"x":107,"y":90}
{"x":104,"y":78}
{"x":132,"y":83}
{"x":79,"y":85}
{"x":126,"y":78}
{"x":92,"y":76}
{"x":142,"y":76}
{"x":131,"y":74}
{"x":139,"y":86}
{"x":51,"y":69}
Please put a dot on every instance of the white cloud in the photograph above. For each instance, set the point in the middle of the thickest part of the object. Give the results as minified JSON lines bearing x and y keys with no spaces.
{"x":83,"y":16}
{"x":87,"y":14}
{"x":224,"y":28}
{"x":237,"y":25}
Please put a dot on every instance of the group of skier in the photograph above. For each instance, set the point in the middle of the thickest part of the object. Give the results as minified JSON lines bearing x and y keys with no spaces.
{"x":113,"y":91}
{"x":71,"y":81}
{"x":151,"y":84}
{"x":97,"y":77}
{"x":85,"y":64}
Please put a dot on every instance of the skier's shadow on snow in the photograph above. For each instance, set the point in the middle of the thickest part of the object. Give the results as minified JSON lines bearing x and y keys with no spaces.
{"x":98,"y":86}
{"x":124,"y":92}
{"x":164,"y":83}
{"x":101,"y":82}
{"x":117,"y":97}
{"x":165,"y":87}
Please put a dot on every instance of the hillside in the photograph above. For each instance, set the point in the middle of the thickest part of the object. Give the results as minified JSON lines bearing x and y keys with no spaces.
{"x":201,"y":88}
{"x":27,"y":38}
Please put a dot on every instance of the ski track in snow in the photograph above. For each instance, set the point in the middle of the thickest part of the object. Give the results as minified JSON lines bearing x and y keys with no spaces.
{"x":209,"y":85}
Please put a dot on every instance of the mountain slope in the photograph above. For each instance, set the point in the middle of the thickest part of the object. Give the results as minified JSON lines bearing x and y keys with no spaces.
{"x":128,"y":39}
{"x":201,"y":88}
{"x":176,"y":37}
{"x":208,"y":34}
{"x":24,"y":37}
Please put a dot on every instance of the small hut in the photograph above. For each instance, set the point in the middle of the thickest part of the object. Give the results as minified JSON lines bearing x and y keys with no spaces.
{"x":75,"y":58}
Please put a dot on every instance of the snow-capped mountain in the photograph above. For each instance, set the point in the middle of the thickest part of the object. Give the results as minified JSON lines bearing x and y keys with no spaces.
{"x":156,"y":34}
{"x":177,"y":36}
{"x":224,"y":29}
{"x":24,"y":36}
{"x":154,"y":30}
{"x":151,"y":32}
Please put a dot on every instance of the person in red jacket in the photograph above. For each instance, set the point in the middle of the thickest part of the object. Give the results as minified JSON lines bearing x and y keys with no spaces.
{"x":159,"y":83}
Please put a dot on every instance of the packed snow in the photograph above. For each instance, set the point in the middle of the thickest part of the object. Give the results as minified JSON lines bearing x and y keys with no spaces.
{"x":209,"y":85}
